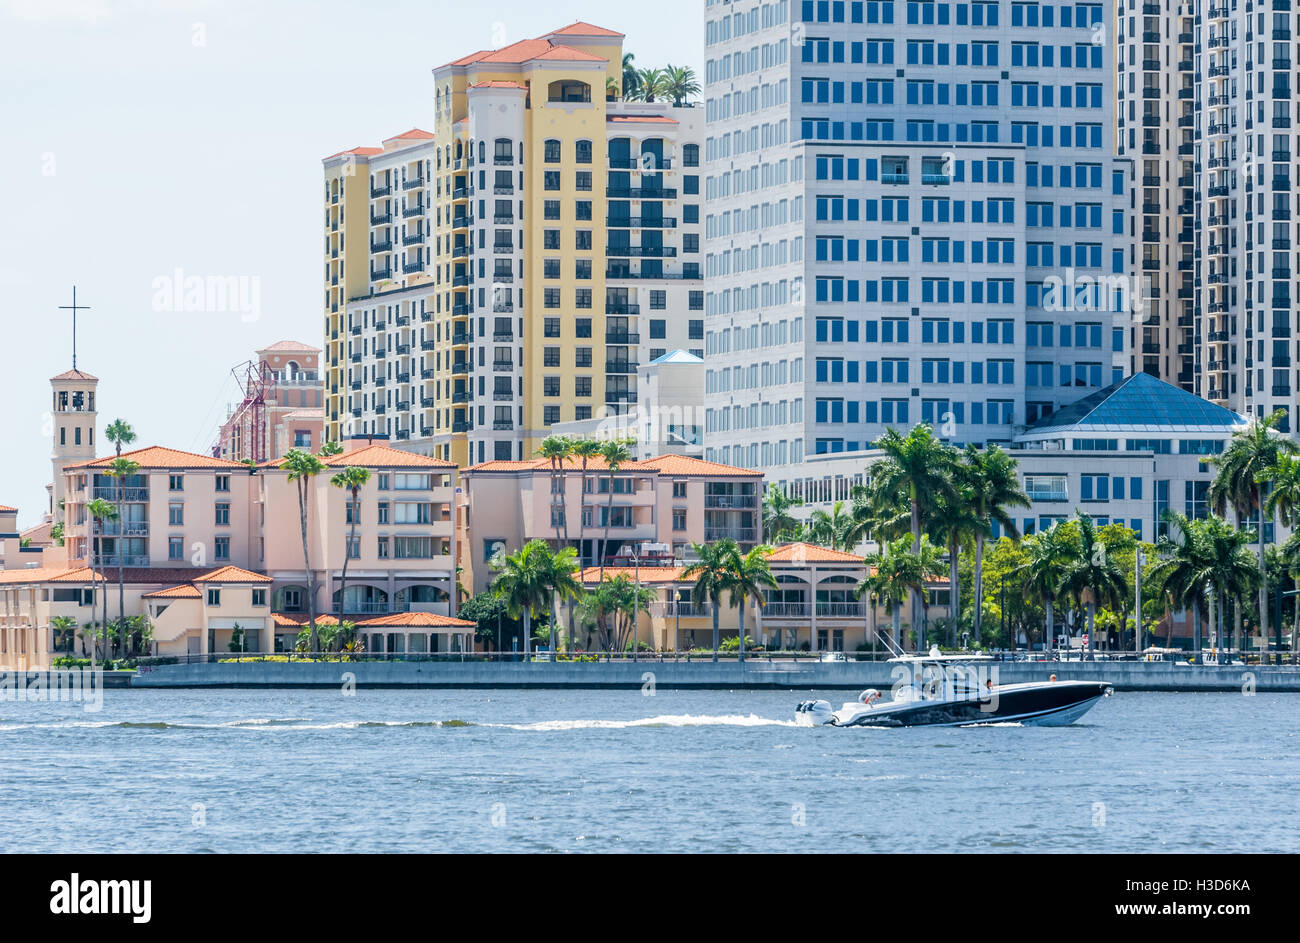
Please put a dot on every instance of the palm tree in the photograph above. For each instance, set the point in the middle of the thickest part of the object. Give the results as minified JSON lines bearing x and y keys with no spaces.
{"x":631,"y":78}
{"x":833,"y":529}
{"x":121,"y":469}
{"x":616,"y":453}
{"x":652,"y":83}
{"x":1048,"y":552}
{"x":1243,"y":469}
{"x":120,"y":433}
{"x":680,"y":83}
{"x":712,"y":572}
{"x":750,"y":575}
{"x":557,"y":449}
{"x":524,"y":582}
{"x":956,"y":525}
{"x":989,"y":475}
{"x":1233,"y":570}
{"x":894,"y":574}
{"x":610,"y":607}
{"x":1289,"y":557}
{"x":584,"y":450}
{"x":302,"y":468}
{"x":1092,"y":577}
{"x":99,"y":511}
{"x":63,"y":626}
{"x":351,"y":479}
{"x":778,"y":522}
{"x":921,"y":467}
{"x":563,"y":581}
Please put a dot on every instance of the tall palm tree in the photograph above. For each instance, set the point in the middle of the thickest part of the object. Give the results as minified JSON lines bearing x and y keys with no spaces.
{"x":303,"y":467}
{"x":631,"y":78}
{"x":557,"y":449}
{"x":611,"y":606}
{"x":955,"y":525}
{"x":99,"y":511}
{"x":1233,"y":569}
{"x":653,"y":84}
{"x":616,"y":454}
{"x":712,"y":572}
{"x":1092,"y":577}
{"x":120,"y":433}
{"x":832,"y":529}
{"x":1044,"y":572}
{"x":1289,"y":557}
{"x":778,"y":522}
{"x":750,"y":575}
{"x":584,"y":450}
{"x":562,"y":578}
{"x":120,"y":470}
{"x":524,"y":583}
{"x":351,"y":480}
{"x":1182,"y":571}
{"x":1243,"y":469}
{"x":894,"y":574}
{"x":989,"y":476}
{"x":680,"y":84}
{"x":920,"y":466}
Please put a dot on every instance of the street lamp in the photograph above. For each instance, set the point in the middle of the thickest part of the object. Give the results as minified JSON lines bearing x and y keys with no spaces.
{"x":677,"y":608}
{"x":636,"y":599}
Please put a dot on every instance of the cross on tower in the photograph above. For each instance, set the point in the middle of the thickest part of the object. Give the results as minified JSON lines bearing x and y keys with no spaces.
{"x":74,"y":308}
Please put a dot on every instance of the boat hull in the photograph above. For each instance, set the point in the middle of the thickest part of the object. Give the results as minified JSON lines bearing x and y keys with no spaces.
{"x":1052,"y":704}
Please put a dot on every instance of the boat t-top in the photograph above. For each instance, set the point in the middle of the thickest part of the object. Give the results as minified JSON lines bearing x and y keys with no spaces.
{"x":958,"y":690}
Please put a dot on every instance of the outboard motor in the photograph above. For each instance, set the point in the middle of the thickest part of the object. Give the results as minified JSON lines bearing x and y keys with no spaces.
{"x":814,"y":714}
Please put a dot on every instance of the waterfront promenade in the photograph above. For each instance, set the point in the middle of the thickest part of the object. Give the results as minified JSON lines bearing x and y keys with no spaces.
{"x":755,"y":673}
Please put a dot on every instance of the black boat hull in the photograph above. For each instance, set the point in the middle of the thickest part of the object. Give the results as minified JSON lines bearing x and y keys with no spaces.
{"x":1052,"y":704}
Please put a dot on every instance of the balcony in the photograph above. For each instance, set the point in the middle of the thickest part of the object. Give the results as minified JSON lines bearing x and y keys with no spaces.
{"x":413,"y":183}
{"x":503,"y":366}
{"x":641,"y":193}
{"x":381,"y":246}
{"x":621,"y":307}
{"x":622,"y":337}
{"x":621,"y":366}
{"x":377,"y":192}
{"x":727,"y":502}
{"x":380,"y":218}
{"x":738,"y":534}
{"x":109,"y":493}
{"x":641,"y":222}
{"x":460,"y":368}
{"x":502,"y":425}
{"x":642,"y":252}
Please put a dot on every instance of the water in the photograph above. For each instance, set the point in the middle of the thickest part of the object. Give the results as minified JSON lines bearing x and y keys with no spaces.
{"x":601,"y":771}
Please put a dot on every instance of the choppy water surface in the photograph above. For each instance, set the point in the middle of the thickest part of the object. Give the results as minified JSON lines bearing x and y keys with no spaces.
{"x":511,"y":770}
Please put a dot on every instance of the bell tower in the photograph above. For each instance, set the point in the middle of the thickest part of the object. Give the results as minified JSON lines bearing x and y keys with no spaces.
{"x":74,"y":419}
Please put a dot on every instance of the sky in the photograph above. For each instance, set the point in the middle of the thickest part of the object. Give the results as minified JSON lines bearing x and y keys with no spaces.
{"x":146,"y":142}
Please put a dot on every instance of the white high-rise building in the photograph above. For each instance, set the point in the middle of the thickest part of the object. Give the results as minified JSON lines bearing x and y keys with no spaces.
{"x":914,"y":212}
{"x":1207,"y":104}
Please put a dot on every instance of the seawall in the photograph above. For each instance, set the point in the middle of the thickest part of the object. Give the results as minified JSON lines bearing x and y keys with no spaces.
{"x":792,"y":675}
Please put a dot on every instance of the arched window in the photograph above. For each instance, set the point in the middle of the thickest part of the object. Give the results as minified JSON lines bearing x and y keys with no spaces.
{"x":552,"y":151}
{"x":503,"y":151}
{"x":582,"y":151}
{"x":567,"y":90}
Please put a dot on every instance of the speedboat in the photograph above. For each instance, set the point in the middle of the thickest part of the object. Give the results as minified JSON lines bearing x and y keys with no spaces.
{"x":958,"y":691}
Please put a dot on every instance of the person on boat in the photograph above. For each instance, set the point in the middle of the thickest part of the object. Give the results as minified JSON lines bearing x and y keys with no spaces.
{"x":869,"y":697}
{"x":1052,"y":678}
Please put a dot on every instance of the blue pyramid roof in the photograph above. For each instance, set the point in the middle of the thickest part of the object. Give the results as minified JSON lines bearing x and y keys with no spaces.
{"x":1143,"y":401}
{"x":678,"y":356}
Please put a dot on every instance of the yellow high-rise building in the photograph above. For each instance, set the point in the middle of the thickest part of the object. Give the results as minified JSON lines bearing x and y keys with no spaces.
{"x":549,"y":252}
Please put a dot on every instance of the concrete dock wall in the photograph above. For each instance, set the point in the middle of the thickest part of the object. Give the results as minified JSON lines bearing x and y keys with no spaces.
{"x":792,"y":675}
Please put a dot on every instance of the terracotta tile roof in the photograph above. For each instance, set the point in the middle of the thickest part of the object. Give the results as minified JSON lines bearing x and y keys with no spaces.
{"x":160,"y":576}
{"x":397,"y":620}
{"x":583,"y":28}
{"x":649,"y":574}
{"x":385,"y":456}
{"x":156,"y":456}
{"x":74,"y":375}
{"x":595,"y":463}
{"x":810,"y":553}
{"x":686,"y":465}
{"x":498,"y":83}
{"x":35,"y":574}
{"x":650,"y":119}
{"x":184,"y":591}
{"x":290,"y":345}
{"x":232,"y":574}
{"x":359,"y":151}
{"x":416,"y":620}
{"x":569,"y":54}
{"x":415,"y":134}
{"x":5,"y":509}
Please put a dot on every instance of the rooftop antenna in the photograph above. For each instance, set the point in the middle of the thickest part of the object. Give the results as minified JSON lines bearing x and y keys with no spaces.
{"x":74,"y":308}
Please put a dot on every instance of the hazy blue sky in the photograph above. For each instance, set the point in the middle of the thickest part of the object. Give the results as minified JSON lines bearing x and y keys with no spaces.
{"x":144,"y":136}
